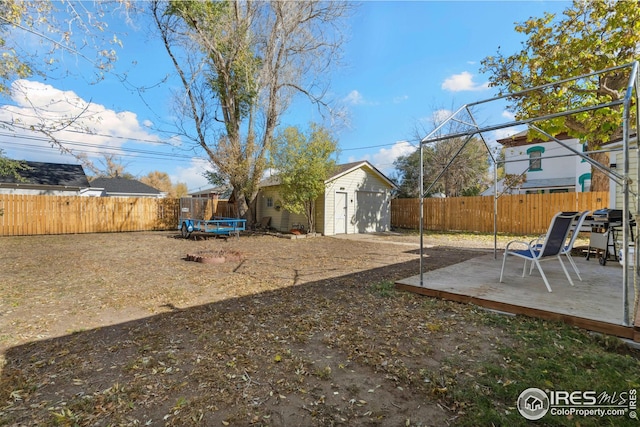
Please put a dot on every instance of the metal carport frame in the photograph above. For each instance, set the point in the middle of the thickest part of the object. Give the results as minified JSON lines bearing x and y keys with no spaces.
{"x":628,"y":102}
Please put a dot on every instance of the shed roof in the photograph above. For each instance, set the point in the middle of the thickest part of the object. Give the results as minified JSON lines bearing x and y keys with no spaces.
{"x":50,"y":174}
{"x":339,"y":171}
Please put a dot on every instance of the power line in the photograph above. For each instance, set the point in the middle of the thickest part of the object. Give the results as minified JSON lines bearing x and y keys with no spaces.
{"x":96,"y":146}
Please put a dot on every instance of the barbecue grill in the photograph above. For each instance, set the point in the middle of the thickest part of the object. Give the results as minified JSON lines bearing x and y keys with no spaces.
{"x":607,"y":216}
{"x":606,"y":224}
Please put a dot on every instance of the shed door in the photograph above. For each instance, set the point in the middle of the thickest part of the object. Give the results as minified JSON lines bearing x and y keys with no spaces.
{"x":341,"y":213}
{"x":371,"y":211}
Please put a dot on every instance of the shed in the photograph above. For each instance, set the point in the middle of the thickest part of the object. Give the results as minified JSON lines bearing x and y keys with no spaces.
{"x":357,"y":199}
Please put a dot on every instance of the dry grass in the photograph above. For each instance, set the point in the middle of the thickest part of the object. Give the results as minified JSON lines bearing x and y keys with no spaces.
{"x":119,"y":329}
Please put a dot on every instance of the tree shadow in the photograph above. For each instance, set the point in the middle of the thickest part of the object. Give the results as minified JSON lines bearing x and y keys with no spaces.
{"x":215,"y":363}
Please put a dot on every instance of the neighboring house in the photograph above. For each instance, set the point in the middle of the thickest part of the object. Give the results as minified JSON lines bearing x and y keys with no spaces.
{"x":357,"y":199}
{"x":123,"y":187}
{"x":221,"y":193}
{"x":547,"y":166}
{"x":53,"y":179}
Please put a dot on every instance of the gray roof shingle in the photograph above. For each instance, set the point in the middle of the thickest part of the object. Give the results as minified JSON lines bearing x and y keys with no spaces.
{"x":123,"y":185}
{"x":50,"y":174}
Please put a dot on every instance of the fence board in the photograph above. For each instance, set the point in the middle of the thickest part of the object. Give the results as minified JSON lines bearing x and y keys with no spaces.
{"x":30,"y":215}
{"x":517,"y":214}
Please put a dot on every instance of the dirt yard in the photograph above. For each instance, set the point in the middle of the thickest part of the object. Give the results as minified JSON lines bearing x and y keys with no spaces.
{"x":121,"y":329}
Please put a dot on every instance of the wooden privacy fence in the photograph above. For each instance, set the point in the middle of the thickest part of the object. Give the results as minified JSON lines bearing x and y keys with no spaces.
{"x":23,"y":215}
{"x":30,"y":215}
{"x":517,"y":214}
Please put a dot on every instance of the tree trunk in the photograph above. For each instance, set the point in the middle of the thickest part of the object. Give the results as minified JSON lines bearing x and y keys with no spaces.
{"x":599,"y":179}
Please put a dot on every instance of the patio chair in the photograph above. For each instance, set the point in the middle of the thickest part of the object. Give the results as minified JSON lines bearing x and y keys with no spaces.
{"x":569,"y":246}
{"x":552,"y":246}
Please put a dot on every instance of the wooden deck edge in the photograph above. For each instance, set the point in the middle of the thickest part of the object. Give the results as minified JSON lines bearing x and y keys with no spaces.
{"x":621,"y":331}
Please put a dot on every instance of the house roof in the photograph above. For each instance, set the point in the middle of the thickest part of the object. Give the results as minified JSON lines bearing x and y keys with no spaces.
{"x":339,"y":171}
{"x":549,"y":183}
{"x":521,"y":138}
{"x":123,"y":186}
{"x":50,"y":174}
{"x":223,"y":191}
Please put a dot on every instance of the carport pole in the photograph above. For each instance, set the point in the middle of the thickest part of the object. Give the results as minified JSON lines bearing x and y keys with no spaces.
{"x":420,"y":227}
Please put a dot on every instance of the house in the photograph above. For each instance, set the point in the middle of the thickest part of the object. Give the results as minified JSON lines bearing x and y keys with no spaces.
{"x":53,"y":179}
{"x":357,"y":199}
{"x":222,"y":192}
{"x":546,"y":166}
{"x":123,"y":187}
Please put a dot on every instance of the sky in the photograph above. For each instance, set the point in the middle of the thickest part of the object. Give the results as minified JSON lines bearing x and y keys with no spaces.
{"x":404,"y":63}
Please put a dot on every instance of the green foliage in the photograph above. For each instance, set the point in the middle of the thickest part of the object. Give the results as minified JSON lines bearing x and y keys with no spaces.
{"x":303,"y":163}
{"x":59,"y":26}
{"x":11,"y":65}
{"x":384,"y":289}
{"x":11,"y":168}
{"x":590,"y":36}
{"x":232,"y":63}
{"x":214,"y":178}
{"x":549,"y":356}
{"x":462,"y":177}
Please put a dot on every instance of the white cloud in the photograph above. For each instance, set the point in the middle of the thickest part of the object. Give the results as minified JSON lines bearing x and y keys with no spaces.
{"x":193,"y":174}
{"x":400,"y":99}
{"x":440,"y":116}
{"x":85,"y":127}
{"x":354,"y":98}
{"x":463,"y":82}
{"x":384,"y":158}
{"x":508,"y":115}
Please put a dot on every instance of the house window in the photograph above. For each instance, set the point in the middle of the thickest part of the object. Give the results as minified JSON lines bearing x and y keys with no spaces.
{"x":535,"y":158}
{"x":585,"y":148}
{"x":269,"y":202}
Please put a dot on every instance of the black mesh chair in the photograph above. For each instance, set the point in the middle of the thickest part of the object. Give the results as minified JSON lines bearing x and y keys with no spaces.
{"x":552,"y":246}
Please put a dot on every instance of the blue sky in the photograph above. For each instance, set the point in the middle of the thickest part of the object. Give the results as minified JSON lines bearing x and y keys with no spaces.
{"x":403,"y":63}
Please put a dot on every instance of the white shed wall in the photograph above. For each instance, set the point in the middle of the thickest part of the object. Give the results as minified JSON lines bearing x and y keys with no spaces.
{"x":359,"y":216}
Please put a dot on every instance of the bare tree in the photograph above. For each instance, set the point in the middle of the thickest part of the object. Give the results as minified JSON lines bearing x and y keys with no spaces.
{"x":241,"y":64}
{"x":453,"y":166}
{"x":58,"y":30}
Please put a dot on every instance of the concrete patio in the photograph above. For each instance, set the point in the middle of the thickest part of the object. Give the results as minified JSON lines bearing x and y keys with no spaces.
{"x":595,"y":303}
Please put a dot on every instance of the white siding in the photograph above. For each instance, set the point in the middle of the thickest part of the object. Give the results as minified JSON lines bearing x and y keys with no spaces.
{"x":359,"y":217}
{"x":368,"y":204}
{"x":281,"y":219}
{"x":633,"y":174}
{"x":568,"y":166}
